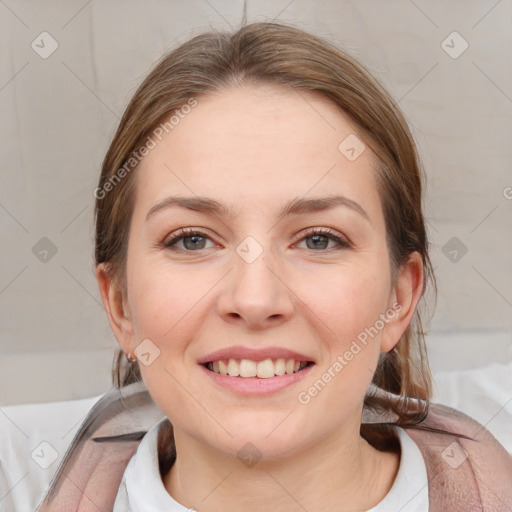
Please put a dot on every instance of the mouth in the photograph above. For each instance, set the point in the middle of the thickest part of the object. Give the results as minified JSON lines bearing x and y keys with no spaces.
{"x":265,"y":369}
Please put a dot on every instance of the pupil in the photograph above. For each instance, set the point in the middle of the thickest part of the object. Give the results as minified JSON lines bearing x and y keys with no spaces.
{"x":193,"y":237}
{"x":316,"y":237}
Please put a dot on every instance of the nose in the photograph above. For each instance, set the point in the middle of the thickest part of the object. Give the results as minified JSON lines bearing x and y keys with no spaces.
{"x":256,"y":293}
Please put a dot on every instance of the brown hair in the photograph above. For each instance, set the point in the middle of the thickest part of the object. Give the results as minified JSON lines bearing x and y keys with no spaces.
{"x":271,"y":53}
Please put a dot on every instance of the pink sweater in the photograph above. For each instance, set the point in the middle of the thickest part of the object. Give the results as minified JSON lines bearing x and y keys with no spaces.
{"x":463,"y":475}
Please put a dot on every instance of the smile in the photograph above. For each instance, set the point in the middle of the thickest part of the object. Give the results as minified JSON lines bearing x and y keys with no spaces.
{"x":247,"y":368}
{"x":272,"y":380}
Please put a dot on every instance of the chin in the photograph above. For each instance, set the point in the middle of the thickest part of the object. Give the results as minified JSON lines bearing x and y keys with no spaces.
{"x":251,"y":451}
{"x":261,"y":439}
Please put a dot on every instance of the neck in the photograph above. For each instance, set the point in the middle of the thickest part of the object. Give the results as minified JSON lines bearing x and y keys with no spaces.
{"x":335,"y":471}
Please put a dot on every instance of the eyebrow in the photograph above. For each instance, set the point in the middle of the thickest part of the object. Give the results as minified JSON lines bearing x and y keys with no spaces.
{"x":297,"y":206}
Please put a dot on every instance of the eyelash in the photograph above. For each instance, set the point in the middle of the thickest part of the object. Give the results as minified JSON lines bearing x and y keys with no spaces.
{"x":189,"y":232}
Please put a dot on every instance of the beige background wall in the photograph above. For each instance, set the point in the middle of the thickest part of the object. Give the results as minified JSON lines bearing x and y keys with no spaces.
{"x":59,"y":113}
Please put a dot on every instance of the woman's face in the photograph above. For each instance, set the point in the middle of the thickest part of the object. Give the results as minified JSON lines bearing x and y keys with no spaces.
{"x":255,"y":279}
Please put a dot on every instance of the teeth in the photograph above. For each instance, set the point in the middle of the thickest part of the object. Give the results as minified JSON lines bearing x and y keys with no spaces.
{"x":263,"y":369}
{"x":223,"y":369}
{"x":247,"y":368}
{"x":233,"y":369}
{"x":280,"y":367}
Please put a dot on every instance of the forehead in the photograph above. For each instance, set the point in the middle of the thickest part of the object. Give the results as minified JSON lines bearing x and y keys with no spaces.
{"x":250,"y":145}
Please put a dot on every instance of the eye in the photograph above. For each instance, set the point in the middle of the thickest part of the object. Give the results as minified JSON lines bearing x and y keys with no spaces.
{"x":320,"y":238}
{"x":192,"y":239}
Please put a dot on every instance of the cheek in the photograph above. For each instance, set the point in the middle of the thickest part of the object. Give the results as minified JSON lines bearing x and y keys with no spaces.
{"x":162,"y":299}
{"x":344,"y":313}
{"x":348,"y":300}
{"x":167,"y":308}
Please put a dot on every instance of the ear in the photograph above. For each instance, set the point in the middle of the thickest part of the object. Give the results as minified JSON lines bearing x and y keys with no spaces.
{"x":116,"y":307}
{"x":404,"y":298}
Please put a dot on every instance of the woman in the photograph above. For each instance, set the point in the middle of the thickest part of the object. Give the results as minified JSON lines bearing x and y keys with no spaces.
{"x":261,"y":255}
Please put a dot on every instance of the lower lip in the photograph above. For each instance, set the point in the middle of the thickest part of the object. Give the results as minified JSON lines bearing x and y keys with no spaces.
{"x":254,"y":386}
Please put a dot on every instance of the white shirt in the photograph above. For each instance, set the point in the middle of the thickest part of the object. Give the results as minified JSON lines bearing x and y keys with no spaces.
{"x":142,"y":489}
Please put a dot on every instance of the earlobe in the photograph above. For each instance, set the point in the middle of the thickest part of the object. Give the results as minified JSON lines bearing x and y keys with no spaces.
{"x":405,"y":297}
{"x":116,"y":307}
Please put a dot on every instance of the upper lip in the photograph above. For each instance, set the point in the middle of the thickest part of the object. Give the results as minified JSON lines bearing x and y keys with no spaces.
{"x":260,"y":354}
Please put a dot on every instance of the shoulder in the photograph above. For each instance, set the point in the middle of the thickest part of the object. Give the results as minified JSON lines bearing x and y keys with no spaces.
{"x":466,"y":463}
{"x":482,"y":393}
{"x":33,"y":440}
{"x":99,"y":452}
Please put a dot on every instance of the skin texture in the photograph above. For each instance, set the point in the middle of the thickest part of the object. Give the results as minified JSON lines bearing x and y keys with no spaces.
{"x":254,"y":149}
